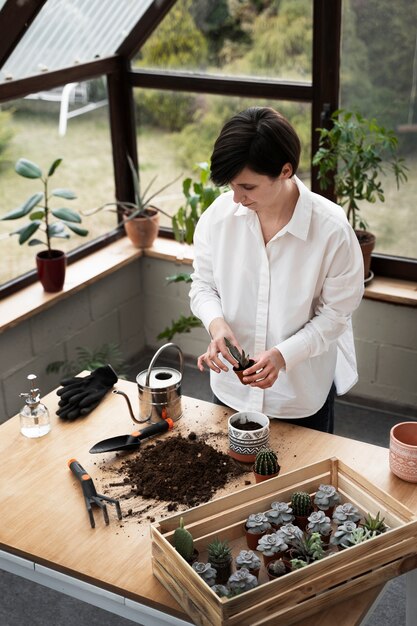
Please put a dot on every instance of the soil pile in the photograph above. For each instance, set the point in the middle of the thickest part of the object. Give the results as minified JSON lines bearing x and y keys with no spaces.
{"x":179,"y":470}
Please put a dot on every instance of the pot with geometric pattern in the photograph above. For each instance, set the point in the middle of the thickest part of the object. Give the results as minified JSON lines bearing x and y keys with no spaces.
{"x":248,"y":433}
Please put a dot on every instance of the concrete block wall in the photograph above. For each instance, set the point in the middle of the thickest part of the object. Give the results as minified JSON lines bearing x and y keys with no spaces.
{"x":110,"y":310}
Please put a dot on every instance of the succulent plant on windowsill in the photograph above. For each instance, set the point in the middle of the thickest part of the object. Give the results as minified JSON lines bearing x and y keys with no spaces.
{"x":219,"y":555}
{"x":241,"y":581}
{"x":266,"y":465}
{"x":346,"y":512}
{"x":320,"y":523}
{"x":326,"y":498}
{"x":376,"y":523}
{"x":279,"y":514}
{"x":206,"y":571}
{"x":243,"y":359}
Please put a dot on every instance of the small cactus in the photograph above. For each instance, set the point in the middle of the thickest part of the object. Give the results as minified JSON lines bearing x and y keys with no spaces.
{"x":277,"y":568}
{"x":266,"y":462}
{"x":183,"y":541}
{"x":301,"y":503}
{"x":242,"y":358}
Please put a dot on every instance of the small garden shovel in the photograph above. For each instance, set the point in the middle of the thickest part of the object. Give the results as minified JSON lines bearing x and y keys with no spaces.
{"x":132,"y":441}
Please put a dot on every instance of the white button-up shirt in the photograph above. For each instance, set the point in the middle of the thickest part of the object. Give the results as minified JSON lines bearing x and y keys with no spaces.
{"x":296,"y":293}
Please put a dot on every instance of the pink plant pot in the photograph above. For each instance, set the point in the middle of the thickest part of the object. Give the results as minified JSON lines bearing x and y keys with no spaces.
{"x":403,"y":451}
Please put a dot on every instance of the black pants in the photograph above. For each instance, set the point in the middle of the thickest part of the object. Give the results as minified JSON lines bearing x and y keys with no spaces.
{"x":323,"y":420}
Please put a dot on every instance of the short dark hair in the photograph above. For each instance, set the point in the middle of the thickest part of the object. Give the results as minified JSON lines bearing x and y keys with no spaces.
{"x":259,"y":138}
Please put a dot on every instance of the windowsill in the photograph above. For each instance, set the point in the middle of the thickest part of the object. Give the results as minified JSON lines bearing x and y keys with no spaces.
{"x":31,"y":300}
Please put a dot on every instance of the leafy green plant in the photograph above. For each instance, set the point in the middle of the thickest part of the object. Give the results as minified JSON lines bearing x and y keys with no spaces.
{"x":358,"y":152}
{"x":37,"y":208}
{"x":90,"y":360}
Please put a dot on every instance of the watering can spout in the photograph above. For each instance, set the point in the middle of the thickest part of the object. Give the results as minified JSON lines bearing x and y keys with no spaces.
{"x":129,"y":405}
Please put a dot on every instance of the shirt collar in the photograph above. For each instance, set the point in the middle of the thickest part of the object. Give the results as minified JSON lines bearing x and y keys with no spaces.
{"x":301,"y":218}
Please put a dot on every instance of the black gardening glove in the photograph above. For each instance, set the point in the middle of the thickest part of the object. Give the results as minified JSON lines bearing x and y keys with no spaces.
{"x":80,"y":395}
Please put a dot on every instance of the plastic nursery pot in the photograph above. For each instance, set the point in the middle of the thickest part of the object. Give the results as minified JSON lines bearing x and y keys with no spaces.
{"x":253,"y":538}
{"x":403,"y":451}
{"x":239,"y":372}
{"x":51,"y":270}
{"x":272,"y":576}
{"x":248,"y":433}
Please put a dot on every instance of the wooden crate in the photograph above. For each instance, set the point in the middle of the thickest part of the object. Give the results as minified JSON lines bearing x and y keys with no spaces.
{"x":302,"y":592}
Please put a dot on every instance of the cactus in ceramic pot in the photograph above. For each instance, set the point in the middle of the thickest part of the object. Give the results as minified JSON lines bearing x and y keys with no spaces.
{"x":326,"y":497}
{"x":318,"y":522}
{"x":266,"y":463}
{"x":183,"y":541}
{"x":279,"y":514}
{"x":343,"y":534}
{"x":241,"y":581}
{"x":206,"y":571}
{"x":346,"y":512}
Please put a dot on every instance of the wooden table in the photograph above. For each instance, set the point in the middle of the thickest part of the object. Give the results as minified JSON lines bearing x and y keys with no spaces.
{"x":45,"y":533}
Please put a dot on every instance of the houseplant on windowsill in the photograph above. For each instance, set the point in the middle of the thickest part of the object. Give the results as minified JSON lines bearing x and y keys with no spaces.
{"x":140,"y":218}
{"x":54,"y":223}
{"x":358,"y":152}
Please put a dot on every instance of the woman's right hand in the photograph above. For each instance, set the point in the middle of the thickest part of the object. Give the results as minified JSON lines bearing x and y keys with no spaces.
{"x":219,"y":329}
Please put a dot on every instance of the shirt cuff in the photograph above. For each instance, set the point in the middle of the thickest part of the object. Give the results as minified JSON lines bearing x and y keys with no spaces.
{"x":211,"y":311}
{"x":294,"y":350}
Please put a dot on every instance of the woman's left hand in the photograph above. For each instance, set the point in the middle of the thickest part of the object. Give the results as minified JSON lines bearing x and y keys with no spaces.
{"x":266,"y":369}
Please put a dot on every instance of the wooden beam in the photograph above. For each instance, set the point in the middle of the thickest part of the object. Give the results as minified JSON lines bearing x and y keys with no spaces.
{"x":224,"y":85}
{"x":15,"y":19}
{"x":48,"y":80}
{"x":144,"y":27}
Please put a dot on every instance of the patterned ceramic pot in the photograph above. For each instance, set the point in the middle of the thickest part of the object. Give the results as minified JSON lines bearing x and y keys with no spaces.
{"x":245,"y":444}
{"x":403,"y":451}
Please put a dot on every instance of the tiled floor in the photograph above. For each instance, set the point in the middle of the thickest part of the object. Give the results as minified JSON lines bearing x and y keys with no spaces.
{"x":24,"y":603}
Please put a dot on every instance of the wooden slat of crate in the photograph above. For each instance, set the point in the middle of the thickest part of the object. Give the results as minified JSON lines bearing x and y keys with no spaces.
{"x":368,"y":504}
{"x":301,"y":587}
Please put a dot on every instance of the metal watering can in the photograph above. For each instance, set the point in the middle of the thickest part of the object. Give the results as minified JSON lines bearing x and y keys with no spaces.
{"x":159,"y":390}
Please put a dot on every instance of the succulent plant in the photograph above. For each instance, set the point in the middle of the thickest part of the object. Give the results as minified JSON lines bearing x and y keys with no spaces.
{"x":271,"y":544}
{"x":358,"y":535}
{"x":280,"y":513}
{"x":318,"y":522}
{"x":257,"y":523}
{"x":277,"y":568}
{"x":242,"y":580}
{"x":346,"y":512}
{"x":301,"y":503}
{"x":242,"y":358}
{"x":248,"y":559}
{"x":218,"y":550}
{"x":221,"y":590}
{"x":343,"y":533}
{"x":308,"y":548}
{"x":266,"y":462}
{"x":291,"y":532}
{"x":183,"y":541}
{"x":326,"y":497}
{"x":375,"y":523}
{"x":298,"y":563}
{"x":206,"y":571}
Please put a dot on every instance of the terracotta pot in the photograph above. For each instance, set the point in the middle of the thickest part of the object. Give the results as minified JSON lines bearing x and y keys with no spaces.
{"x":239,"y":372}
{"x":253,"y":538}
{"x":245,"y":444}
{"x":259,"y":478}
{"x":273,"y":557}
{"x":274,"y":576}
{"x":403,"y":451}
{"x":51,"y":270}
{"x":142,"y":231}
{"x":367,"y":244}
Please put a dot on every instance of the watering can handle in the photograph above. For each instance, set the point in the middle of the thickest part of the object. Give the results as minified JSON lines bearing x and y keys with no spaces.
{"x":156,"y":355}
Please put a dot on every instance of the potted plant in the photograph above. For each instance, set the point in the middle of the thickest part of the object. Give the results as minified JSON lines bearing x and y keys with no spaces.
{"x":221,"y":590}
{"x":272,"y":545}
{"x":250,"y":560}
{"x":241,"y":581}
{"x":266,"y":465}
{"x":184,"y":544}
{"x":355,"y":154}
{"x":243,"y":360}
{"x":291,"y":532}
{"x":219,"y":555}
{"x":308,"y":548}
{"x":53,"y":223}
{"x":358,"y":535}
{"x":302,"y":507}
{"x":346,"y":512}
{"x":256,"y":525}
{"x":279,"y":514}
{"x":376,"y":523}
{"x":140,"y":218}
{"x":248,"y":433}
{"x":342,"y":535}
{"x":318,"y":522}
{"x":326,"y":498}
{"x":206,"y":571}
{"x":277,"y":568}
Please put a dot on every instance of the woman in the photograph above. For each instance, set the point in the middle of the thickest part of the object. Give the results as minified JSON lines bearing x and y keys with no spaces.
{"x":278,"y":271}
